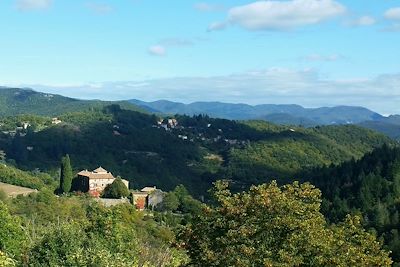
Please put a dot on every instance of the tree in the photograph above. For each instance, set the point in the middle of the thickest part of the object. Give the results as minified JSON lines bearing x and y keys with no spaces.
{"x":181,"y":192}
{"x":12,"y":237}
{"x":170,"y":202}
{"x":277,"y":226}
{"x":66,"y":175}
{"x":116,"y":190}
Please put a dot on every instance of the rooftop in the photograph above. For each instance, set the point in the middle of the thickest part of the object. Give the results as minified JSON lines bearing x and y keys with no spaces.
{"x":99,"y":173}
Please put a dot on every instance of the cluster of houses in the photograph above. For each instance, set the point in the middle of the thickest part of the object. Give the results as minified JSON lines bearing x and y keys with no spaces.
{"x":23,"y":127}
{"x":167,"y":124}
{"x":94,"y":182}
{"x":171,"y":124}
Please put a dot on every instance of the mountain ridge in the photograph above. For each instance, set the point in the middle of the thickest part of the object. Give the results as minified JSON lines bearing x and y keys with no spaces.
{"x":18,"y":101}
{"x":322,"y":115}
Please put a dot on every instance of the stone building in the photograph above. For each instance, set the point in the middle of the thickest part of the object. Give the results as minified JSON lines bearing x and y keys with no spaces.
{"x":148,"y":197}
{"x":96,"y":181}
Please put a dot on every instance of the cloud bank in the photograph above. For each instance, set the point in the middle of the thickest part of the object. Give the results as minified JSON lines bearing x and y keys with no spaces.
{"x":283,"y":15}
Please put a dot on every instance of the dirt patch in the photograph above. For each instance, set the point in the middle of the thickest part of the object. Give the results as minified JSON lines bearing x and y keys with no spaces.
{"x":13,"y":190}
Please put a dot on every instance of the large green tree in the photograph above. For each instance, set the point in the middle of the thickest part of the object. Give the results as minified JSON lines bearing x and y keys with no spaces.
{"x":66,"y":175}
{"x":277,"y":226}
{"x":116,"y":190}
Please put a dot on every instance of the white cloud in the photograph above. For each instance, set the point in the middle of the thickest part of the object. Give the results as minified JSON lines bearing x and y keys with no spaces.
{"x":157,"y":50}
{"x":99,"y":8}
{"x":284,"y":15}
{"x":363,"y":21}
{"x":206,"y":7}
{"x":393,"y":13}
{"x":216,"y":26}
{"x":33,"y":4}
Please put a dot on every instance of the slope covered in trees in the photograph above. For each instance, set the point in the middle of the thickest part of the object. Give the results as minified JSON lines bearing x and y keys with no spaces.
{"x":34,"y":180}
{"x":387,"y":125}
{"x":370,"y":187}
{"x":14,"y":101}
{"x":195,"y":153}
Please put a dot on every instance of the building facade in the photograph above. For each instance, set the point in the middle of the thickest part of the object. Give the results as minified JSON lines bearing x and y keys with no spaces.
{"x":96,"y":181}
{"x":148,"y":197}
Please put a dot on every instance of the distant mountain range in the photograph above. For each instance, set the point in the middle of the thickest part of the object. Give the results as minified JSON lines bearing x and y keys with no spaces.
{"x":386,"y":125}
{"x":281,"y":114}
{"x":14,"y":101}
{"x":287,"y":114}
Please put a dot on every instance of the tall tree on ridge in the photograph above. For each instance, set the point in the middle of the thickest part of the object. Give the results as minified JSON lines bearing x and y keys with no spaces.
{"x":65,"y":175}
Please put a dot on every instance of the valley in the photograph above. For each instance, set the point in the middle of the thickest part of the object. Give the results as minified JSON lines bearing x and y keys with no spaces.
{"x":192,"y":153}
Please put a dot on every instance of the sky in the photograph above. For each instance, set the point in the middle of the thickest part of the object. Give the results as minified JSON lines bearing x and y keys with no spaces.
{"x":308,"y":52}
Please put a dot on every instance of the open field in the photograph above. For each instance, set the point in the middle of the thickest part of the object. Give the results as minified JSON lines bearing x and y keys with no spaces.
{"x":13,"y":190}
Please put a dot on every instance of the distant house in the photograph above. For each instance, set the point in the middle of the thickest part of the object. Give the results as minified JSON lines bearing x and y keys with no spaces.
{"x":96,"y":181}
{"x":148,"y":197}
{"x":25,"y":125}
{"x":55,"y":121}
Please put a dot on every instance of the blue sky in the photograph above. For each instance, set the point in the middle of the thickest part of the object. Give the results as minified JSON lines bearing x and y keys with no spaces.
{"x":308,"y":52}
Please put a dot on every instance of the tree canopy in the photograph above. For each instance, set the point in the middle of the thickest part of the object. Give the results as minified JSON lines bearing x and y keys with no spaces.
{"x":277,"y":226}
{"x":116,"y":190}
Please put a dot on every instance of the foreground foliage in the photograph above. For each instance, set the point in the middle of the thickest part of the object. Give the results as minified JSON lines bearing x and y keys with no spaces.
{"x":45,"y":230}
{"x":5,"y":261}
{"x":277,"y":226}
{"x":369,"y":187}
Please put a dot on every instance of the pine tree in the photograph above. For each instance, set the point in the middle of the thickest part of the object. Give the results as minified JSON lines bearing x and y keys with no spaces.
{"x":66,"y":175}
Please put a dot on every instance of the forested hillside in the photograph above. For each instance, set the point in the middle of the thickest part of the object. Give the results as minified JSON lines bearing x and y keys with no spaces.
{"x":387,"y":125}
{"x":370,"y":187}
{"x":15,"y":101}
{"x":195,"y":152}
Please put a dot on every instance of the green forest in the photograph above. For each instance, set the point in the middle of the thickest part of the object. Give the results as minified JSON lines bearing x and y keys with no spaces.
{"x":197,"y":152}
